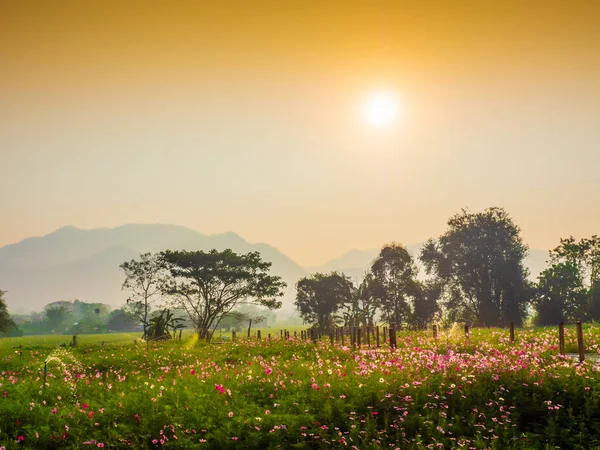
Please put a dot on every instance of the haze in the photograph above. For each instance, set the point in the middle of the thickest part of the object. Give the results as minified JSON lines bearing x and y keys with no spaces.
{"x":246,"y":116}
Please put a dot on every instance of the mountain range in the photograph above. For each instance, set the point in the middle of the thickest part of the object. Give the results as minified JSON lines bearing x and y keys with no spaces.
{"x":73,"y":263}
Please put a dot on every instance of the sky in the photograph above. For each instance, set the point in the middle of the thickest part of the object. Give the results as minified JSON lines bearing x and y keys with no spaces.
{"x":248,"y":116}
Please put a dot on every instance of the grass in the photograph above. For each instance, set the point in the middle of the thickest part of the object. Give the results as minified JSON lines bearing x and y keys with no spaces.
{"x":453,"y":392}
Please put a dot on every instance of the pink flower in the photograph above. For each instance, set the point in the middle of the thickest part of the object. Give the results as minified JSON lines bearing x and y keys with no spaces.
{"x":85,"y":406}
{"x":53,"y":411}
{"x":268,"y":371}
{"x":192,"y":372}
{"x":267,"y":412}
{"x":220,"y":388}
{"x":230,"y":414}
{"x":100,"y":445}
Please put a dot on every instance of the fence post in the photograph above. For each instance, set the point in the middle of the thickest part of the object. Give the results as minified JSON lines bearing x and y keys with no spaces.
{"x":342,"y":335}
{"x":435,"y":331}
{"x":377,"y":335}
{"x":561,"y":338}
{"x":580,"y":342}
{"x":358,"y":333}
{"x":466,"y":331}
{"x":512,"y":331}
{"x":258,"y":334}
{"x":384,"y":334}
{"x":392,"y":337}
{"x":233,"y":335}
{"x":368,"y":336}
{"x":295,"y":334}
{"x":331,"y":337}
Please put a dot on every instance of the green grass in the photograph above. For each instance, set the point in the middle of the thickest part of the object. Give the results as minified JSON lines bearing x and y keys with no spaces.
{"x":453,"y":392}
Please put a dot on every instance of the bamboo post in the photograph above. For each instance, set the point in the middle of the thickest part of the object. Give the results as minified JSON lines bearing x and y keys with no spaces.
{"x":561,"y":338}
{"x":580,"y":345}
{"x":377,"y":335}
{"x":512,"y":331}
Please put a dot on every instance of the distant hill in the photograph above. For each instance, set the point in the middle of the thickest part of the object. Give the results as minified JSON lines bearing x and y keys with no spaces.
{"x":72,"y":263}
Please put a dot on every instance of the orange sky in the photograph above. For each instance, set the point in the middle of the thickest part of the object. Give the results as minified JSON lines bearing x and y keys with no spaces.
{"x":242,"y":116}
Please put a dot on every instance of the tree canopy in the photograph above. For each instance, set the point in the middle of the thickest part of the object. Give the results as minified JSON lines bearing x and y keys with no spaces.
{"x":208,"y":285}
{"x":320,"y":296}
{"x":479,"y":261}
{"x":6,"y":322}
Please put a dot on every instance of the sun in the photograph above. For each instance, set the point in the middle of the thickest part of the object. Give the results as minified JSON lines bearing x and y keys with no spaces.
{"x":381,"y":109}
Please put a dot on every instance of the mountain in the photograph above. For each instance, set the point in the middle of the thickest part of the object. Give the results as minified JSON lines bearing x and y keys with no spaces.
{"x":73,"y":263}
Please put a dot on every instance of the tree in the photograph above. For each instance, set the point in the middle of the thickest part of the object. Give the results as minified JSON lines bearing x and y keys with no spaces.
{"x":560,"y":294}
{"x":208,"y":285}
{"x":364,"y":303}
{"x":320,"y":296}
{"x":426,"y":300}
{"x":144,"y":279}
{"x":479,"y":261}
{"x":6,"y":322}
{"x":121,"y":320}
{"x":394,"y":274}
{"x":56,"y":315}
{"x":583,"y":259}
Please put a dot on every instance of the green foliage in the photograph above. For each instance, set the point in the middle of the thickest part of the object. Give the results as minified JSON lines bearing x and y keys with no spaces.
{"x":209,"y":285}
{"x":560,"y":295}
{"x":6,"y":322}
{"x":394,"y":279}
{"x":479,"y":261}
{"x":320,"y":296}
{"x":144,"y":279}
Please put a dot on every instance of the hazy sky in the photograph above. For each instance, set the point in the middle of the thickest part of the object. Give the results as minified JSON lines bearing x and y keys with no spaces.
{"x":247,"y":116}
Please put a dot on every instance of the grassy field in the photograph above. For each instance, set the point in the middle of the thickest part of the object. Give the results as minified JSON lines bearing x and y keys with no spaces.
{"x":453,"y":392}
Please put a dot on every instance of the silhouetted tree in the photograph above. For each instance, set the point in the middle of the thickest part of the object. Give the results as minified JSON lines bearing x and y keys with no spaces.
{"x":560,"y":294}
{"x":426,"y":300}
{"x":208,"y":285}
{"x":6,"y":322}
{"x":144,"y":279}
{"x":320,"y":296}
{"x":582,"y":258}
{"x":394,"y":276}
{"x":479,"y":261}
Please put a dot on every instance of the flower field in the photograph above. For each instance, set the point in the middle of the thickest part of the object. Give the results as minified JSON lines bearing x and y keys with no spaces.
{"x":450,"y":392}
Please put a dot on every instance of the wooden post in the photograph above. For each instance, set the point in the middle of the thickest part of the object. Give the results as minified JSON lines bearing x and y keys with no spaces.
{"x":466,"y":330}
{"x":233,"y":335}
{"x":281,"y":333}
{"x":258,"y":334}
{"x":561,"y":338}
{"x":392,"y":337}
{"x":512,"y":331}
{"x":377,"y":335}
{"x":342,"y":335}
{"x":249,"y":327}
{"x":269,"y":336}
{"x":295,"y":334}
{"x":368,"y":336}
{"x":435,"y":332}
{"x":384,"y":334}
{"x":580,"y":342}
{"x":331,"y":337}
{"x":358,"y":333}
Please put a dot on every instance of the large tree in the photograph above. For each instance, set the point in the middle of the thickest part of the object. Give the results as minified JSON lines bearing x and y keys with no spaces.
{"x":6,"y":322}
{"x":364,"y":303}
{"x":582,"y":258}
{"x":479,"y":260}
{"x":144,"y":279}
{"x":209,"y":285}
{"x":394,"y":277}
{"x":57,"y":314}
{"x":560,"y":294}
{"x":320,"y":296}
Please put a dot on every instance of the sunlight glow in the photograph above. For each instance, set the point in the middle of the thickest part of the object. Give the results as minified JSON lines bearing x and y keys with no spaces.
{"x":381,"y":109}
